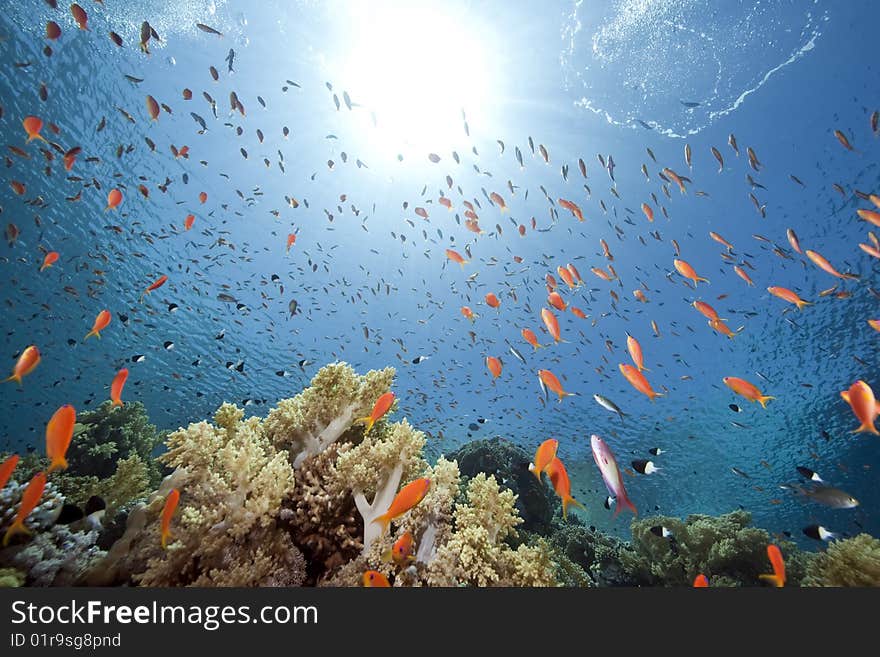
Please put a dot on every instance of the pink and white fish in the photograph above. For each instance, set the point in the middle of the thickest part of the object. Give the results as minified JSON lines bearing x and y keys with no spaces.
{"x":611,"y":474}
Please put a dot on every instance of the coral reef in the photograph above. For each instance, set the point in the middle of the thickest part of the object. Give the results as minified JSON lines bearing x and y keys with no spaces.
{"x":510,"y":466}
{"x":11,"y":578}
{"x":324,"y":525}
{"x":385,"y":459}
{"x":850,"y":562}
{"x":475,"y":553}
{"x":321,"y":414}
{"x":291,"y":500}
{"x":227,"y":531}
{"x":597,"y":554}
{"x":724,"y":548}
{"x":108,"y":434}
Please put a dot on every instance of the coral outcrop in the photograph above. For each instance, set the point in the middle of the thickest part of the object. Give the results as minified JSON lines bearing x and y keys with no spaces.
{"x":509,"y":464}
{"x":849,"y":562}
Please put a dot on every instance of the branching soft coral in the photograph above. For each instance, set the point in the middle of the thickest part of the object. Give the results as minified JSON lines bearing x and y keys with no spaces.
{"x":476,"y":553}
{"x":724,"y":548}
{"x":308,"y":423}
{"x":387,"y":456}
{"x":226,"y":532}
{"x":850,"y":562}
{"x":109,"y":433}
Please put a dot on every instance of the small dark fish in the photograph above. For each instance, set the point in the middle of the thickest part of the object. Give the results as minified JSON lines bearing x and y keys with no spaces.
{"x":740,"y":473}
{"x":419,"y":359}
{"x":230,"y":58}
{"x":208,"y":29}
{"x":735,"y":408}
{"x":661,"y":531}
{"x":819,"y":533}
{"x":690,"y":104}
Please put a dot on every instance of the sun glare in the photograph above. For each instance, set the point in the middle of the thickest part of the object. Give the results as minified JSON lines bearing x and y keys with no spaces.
{"x":416,"y":69}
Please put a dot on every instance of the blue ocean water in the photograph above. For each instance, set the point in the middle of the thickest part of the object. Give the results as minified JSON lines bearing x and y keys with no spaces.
{"x":369,"y":275}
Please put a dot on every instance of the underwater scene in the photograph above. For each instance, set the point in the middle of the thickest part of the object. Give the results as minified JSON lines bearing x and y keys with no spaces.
{"x":376,"y":293}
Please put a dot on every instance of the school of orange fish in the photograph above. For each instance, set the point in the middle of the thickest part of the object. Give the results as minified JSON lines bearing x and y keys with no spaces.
{"x":42,"y":132}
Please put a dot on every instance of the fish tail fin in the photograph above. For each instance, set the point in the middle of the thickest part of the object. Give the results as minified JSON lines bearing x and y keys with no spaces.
{"x":867,"y":428}
{"x":165,"y":536}
{"x":764,"y":399}
{"x":566,"y":501}
{"x":58,"y":463}
{"x":17,"y":527}
{"x":368,"y":422}
{"x":90,"y":334}
{"x":773,"y":579}
{"x":800,"y":303}
{"x":117,"y":402}
{"x":14,"y":377}
{"x":44,"y":267}
{"x":642,"y":368}
{"x":388,"y":555}
{"x":850,"y":277}
{"x":624,"y":502}
{"x":384,"y":520}
{"x":700,"y":278}
{"x":653,"y":395}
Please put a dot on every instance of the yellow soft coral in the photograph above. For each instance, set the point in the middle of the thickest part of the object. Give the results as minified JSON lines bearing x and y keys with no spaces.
{"x":227,"y":530}
{"x":475,"y":553}
{"x":387,"y":457}
{"x":318,"y":416}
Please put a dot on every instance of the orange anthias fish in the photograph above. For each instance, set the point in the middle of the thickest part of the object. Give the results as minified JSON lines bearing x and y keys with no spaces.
{"x":152,"y":108}
{"x":640,"y":296}
{"x":562,"y":485}
{"x":455,"y":256}
{"x":708,"y":311}
{"x":674,"y":177}
{"x":402,"y":550}
{"x":566,"y":277}
{"x":27,"y":361}
{"x":382,"y":406}
{"x":80,"y":16}
{"x":375,"y":579}
{"x":117,"y":385}
{"x":793,"y":240}
{"x":497,"y":200}
{"x":701,"y":582}
{"x":410,"y":495}
{"x":552,"y":324}
{"x":168,"y":513}
{"x":687,"y":271}
{"x":743,"y":275}
{"x":101,"y":322}
{"x":778,"y":576}
{"x":189,"y":221}
{"x":556,"y":300}
{"x":29,"y":500}
{"x":747,"y":390}
{"x":635,"y":352}
{"x":203,"y":197}
{"x":721,"y":240}
{"x":6,"y":469}
{"x":723,"y":328}
{"x":492,"y":301}
{"x":32,"y":126}
{"x":601,"y":273}
{"x":49,"y":259}
{"x":864,"y":406}
{"x":467,"y":312}
{"x":59,"y":433}
{"x":155,"y":285}
{"x":871,"y":216}
{"x":575,"y":274}
{"x":874,"y":324}
{"x":843,"y":140}
{"x":547,"y":378}
{"x":572,"y":207}
{"x":494,"y":366}
{"x":649,"y":213}
{"x":545,"y":453}
{"x":530,"y":337}
{"x":114,"y":198}
{"x":577,"y":312}
{"x":291,"y":240}
{"x":827,"y":267}
{"x":788,"y":295}
{"x":638,"y":381}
